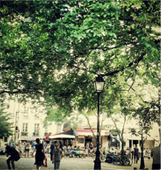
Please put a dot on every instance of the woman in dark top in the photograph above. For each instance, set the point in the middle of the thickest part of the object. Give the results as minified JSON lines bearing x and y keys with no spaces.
{"x":39,"y":156}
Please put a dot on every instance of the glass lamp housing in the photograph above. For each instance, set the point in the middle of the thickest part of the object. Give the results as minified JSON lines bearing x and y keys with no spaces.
{"x":99,"y":84}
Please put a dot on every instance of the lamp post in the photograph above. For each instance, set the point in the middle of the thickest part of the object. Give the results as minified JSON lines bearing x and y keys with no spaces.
{"x":99,"y":86}
{"x":142,"y":165}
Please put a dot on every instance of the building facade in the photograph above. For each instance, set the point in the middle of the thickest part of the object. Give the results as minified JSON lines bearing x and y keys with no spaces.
{"x":27,"y":121}
{"x":28,"y":124}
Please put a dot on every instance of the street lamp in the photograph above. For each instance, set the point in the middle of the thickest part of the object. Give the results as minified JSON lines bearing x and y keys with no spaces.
{"x":142,"y":165}
{"x":99,"y":86}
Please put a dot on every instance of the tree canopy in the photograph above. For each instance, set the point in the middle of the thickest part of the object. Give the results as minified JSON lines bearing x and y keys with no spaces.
{"x":54,"y":49}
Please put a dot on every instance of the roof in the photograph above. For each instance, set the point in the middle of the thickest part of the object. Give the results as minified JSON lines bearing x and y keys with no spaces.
{"x":62,"y":136}
{"x":80,"y":132}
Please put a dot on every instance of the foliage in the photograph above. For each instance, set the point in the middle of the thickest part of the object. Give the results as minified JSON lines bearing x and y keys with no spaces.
{"x":147,"y":114}
{"x":54,"y":114}
{"x":59,"y":116}
{"x":5,"y":129}
{"x":56,"y":48}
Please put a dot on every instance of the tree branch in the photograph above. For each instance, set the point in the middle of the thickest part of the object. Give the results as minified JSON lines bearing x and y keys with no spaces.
{"x":136,"y":62}
{"x":20,"y":91}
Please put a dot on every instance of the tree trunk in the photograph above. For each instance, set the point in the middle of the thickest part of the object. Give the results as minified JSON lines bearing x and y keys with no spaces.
{"x":159,"y":121}
{"x":159,"y":126}
{"x":159,"y":134}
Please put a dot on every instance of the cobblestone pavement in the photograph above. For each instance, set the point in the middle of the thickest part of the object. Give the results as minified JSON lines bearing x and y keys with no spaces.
{"x":70,"y":164}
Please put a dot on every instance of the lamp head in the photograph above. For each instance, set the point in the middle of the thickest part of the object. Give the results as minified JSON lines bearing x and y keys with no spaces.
{"x":99,"y":84}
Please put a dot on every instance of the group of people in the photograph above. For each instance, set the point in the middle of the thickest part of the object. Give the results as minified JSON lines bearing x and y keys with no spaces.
{"x":133,"y":153}
{"x":57,"y":151}
{"x":25,"y":149}
{"x":38,"y":149}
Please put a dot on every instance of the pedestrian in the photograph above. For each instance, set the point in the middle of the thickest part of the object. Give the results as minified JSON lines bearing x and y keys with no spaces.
{"x":32,"y":145}
{"x":136,"y":154}
{"x":27,"y":150}
{"x":40,"y":154}
{"x":87,"y":144}
{"x":129,"y":153}
{"x":20,"y":150}
{"x":132,"y":155}
{"x":14,"y":156}
{"x":57,"y":155}
{"x":155,"y":153}
{"x":91,"y":145}
{"x":51,"y":150}
{"x":86,"y":151}
{"x":148,"y":153}
{"x":11,"y":143}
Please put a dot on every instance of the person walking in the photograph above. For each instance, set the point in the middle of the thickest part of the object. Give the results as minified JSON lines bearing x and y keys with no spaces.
{"x":132,"y":155}
{"x":27,"y":149}
{"x":32,"y":145}
{"x":51,"y":151}
{"x":148,"y":153}
{"x":136,"y":154}
{"x":14,"y":156}
{"x":40,"y":154}
{"x":155,"y":153}
{"x":57,"y":155}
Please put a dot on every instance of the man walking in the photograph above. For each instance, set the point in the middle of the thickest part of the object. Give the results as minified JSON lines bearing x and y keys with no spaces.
{"x":156,"y":157}
{"x":57,"y":155}
{"x":136,"y":154}
{"x":14,"y":156}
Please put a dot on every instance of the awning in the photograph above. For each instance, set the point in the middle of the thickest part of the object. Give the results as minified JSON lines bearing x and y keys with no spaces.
{"x":61,"y":136}
{"x":69,"y":132}
{"x":84,"y":132}
{"x":139,"y":138}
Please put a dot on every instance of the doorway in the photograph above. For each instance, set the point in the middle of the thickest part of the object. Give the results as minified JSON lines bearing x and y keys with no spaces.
{"x":88,"y":139}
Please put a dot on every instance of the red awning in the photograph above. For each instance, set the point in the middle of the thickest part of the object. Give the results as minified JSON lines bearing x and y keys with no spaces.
{"x":84,"y":132}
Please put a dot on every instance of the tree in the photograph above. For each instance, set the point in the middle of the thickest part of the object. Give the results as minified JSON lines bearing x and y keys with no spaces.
{"x":54,"y":115}
{"x":75,"y":120}
{"x":55,"y":49}
{"x":144,"y":128}
{"x":84,"y":34}
{"x":124,"y":109}
{"x":5,"y":125}
{"x":147,"y":105}
{"x":24,"y":44}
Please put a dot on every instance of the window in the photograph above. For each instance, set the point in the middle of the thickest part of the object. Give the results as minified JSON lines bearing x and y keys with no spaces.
{"x":25,"y":112}
{"x":36,"y":129}
{"x":24,"y":129}
{"x":80,"y":140}
{"x":36,"y":113}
